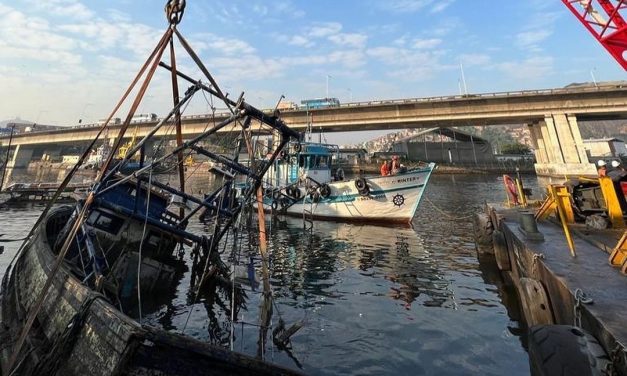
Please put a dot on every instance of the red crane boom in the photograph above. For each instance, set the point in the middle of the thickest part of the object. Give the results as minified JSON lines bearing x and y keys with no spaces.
{"x":604,"y":20}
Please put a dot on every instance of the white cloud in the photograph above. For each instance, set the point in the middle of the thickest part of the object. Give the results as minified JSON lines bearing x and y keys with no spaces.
{"x":406,"y":6}
{"x":349,"y":39}
{"x":531,"y":39}
{"x":299,"y":40}
{"x":427,"y":43}
{"x":533,"y":68}
{"x":65,"y":8}
{"x":227,"y":46}
{"x":325,"y":29}
{"x":475,"y":59}
{"x":441,"y":5}
{"x":409,"y":65}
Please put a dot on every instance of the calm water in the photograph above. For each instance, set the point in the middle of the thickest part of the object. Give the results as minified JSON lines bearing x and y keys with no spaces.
{"x":373,"y":300}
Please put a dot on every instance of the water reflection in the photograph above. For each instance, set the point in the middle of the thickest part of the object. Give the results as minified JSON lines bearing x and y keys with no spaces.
{"x":310,"y":262}
{"x":371,"y":300}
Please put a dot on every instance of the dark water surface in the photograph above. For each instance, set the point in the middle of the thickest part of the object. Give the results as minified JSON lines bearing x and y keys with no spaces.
{"x":373,"y":300}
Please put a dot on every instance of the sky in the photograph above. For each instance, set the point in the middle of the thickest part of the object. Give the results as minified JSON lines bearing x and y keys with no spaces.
{"x":65,"y":60}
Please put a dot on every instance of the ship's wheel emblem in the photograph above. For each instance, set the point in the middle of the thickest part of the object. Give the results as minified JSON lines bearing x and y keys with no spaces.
{"x":398,"y":200}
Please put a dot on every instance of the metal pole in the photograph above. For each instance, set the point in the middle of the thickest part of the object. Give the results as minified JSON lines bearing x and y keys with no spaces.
{"x":442,"y":145}
{"x":463,"y":78}
{"x":474,"y":153}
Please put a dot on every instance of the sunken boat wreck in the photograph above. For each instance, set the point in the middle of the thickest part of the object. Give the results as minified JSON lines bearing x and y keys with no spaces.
{"x":73,"y":298}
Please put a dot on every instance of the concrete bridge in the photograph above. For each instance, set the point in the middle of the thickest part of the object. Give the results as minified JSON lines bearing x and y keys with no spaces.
{"x":552,"y":115}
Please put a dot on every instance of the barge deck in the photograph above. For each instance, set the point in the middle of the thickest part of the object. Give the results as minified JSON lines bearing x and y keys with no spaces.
{"x":584,"y":291}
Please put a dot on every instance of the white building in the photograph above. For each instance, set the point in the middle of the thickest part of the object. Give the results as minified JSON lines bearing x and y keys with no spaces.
{"x":605,"y":147}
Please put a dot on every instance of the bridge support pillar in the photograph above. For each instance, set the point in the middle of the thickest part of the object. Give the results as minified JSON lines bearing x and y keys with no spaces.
{"x":21,"y":156}
{"x":559,"y":147}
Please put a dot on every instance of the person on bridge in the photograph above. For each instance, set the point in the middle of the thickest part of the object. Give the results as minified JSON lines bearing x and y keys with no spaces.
{"x":385,"y":168}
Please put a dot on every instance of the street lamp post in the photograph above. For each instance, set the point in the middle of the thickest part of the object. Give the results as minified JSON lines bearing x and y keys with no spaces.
{"x":80,"y":119}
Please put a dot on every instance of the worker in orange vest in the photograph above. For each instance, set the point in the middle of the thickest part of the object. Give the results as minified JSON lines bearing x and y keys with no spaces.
{"x":385,"y":168}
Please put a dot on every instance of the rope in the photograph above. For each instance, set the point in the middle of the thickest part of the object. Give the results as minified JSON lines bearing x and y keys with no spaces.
{"x":141,"y":246}
{"x":449,"y":216}
{"x":12,"y":240}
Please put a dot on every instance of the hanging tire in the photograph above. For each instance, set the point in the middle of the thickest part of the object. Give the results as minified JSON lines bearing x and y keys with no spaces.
{"x":276,"y":194}
{"x":297,"y":193}
{"x":314,"y":196}
{"x":535,"y":302}
{"x":501,"y":253}
{"x":290,"y":190}
{"x":360,"y":184}
{"x":565,"y":350}
{"x":325,"y":191}
{"x":339,"y":174}
{"x":298,"y":148}
{"x":268,"y":192}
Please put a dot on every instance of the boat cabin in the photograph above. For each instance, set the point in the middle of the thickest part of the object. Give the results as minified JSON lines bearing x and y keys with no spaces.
{"x":301,"y":161}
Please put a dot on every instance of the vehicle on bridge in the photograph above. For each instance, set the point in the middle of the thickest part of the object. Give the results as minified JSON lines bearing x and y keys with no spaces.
{"x":314,"y":104}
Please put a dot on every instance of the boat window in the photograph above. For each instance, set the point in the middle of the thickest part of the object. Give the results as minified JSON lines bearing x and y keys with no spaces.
{"x":324,"y":161}
{"x":105,"y":222}
{"x":301,"y":161}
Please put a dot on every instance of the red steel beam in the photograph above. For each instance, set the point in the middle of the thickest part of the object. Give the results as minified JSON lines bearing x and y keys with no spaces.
{"x":605,"y":22}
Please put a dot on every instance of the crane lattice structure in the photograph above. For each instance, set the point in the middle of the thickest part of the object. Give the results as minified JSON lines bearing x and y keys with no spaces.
{"x":604,"y":20}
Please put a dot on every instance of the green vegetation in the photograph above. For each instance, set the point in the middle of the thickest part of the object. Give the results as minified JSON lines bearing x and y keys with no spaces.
{"x":515,"y":148}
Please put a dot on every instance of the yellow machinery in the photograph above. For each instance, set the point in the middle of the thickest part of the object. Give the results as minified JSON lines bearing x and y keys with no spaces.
{"x":559,"y":200}
{"x":619,"y":254}
{"x":123,"y":150}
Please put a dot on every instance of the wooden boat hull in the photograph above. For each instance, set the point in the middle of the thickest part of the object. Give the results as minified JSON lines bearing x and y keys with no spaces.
{"x":77,"y":332}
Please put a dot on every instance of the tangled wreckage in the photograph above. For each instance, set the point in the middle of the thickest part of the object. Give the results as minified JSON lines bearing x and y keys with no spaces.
{"x":75,"y":296}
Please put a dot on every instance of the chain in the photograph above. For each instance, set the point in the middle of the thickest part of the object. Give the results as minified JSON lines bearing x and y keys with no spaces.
{"x":580,"y":298}
{"x":611,"y":369}
{"x":536,"y":256}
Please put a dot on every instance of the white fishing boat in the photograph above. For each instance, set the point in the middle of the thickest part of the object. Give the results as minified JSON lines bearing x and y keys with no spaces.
{"x":303,"y":183}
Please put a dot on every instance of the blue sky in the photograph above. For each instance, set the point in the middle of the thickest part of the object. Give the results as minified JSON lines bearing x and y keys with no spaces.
{"x":61,"y":60}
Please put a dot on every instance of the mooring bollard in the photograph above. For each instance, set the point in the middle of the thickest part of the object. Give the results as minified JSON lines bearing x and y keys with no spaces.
{"x":529,"y":226}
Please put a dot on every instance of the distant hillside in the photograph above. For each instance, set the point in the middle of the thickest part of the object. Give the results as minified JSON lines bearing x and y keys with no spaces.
{"x":604,"y":129}
{"x":3,"y":124}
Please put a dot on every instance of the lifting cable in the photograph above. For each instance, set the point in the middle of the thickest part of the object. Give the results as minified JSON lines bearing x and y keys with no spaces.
{"x":444,"y":213}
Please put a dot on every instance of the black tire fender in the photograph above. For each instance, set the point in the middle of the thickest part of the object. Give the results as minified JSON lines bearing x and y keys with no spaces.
{"x":565,"y":350}
{"x":325,"y":191}
{"x":361,"y":184}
